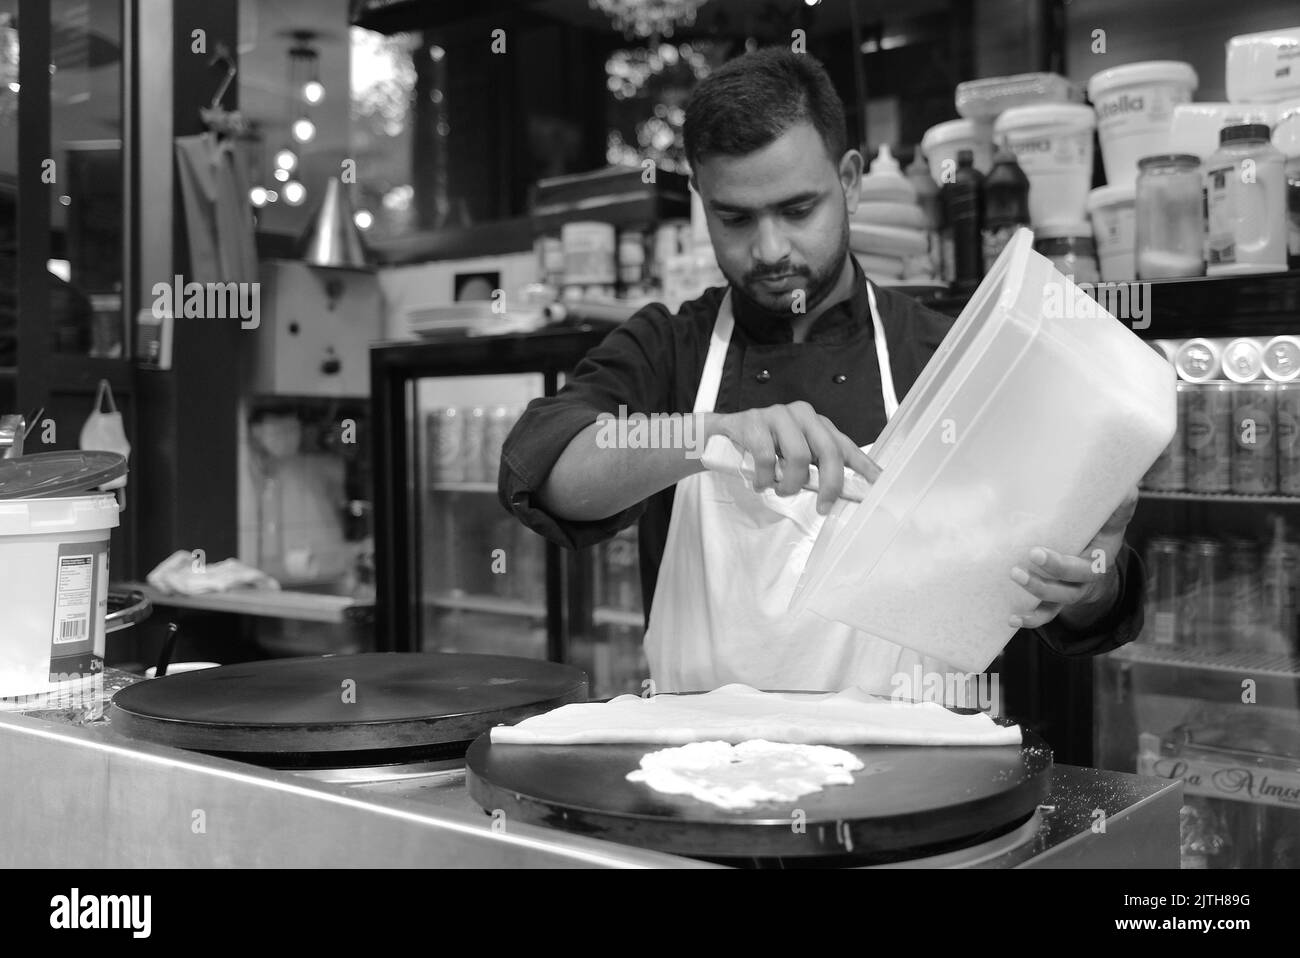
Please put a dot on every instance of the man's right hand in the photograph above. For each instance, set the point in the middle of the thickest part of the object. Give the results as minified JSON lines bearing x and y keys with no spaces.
{"x":795,"y":436}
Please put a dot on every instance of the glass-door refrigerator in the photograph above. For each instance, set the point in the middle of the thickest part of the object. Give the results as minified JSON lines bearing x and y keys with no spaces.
{"x":454,"y":570}
{"x":1210,"y":692}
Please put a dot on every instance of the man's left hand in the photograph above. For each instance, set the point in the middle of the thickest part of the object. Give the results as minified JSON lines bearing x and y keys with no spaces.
{"x":1079,"y":589}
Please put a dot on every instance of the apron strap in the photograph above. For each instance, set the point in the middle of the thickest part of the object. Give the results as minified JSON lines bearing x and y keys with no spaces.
{"x":706,"y":396}
{"x":711,"y":379}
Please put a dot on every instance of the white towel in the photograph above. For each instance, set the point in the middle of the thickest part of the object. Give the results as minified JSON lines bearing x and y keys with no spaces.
{"x":738,"y":713}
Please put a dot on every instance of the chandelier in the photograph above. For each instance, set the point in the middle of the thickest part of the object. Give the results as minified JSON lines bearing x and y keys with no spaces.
{"x":648,"y":18}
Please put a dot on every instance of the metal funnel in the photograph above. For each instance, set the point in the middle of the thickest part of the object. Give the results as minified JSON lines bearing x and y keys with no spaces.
{"x":332,"y":239}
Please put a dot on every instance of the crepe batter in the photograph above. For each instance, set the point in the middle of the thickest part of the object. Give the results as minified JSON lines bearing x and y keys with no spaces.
{"x":742,"y":776}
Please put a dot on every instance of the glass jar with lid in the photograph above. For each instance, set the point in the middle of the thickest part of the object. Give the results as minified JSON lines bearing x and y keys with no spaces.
{"x":1170,"y":217}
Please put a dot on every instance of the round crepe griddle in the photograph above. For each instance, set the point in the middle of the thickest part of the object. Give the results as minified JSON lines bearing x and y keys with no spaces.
{"x":907,"y":800}
{"x":372,"y":708}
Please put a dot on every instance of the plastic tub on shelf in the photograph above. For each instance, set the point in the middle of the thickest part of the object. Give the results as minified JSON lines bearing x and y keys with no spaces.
{"x":942,"y":142}
{"x":1135,"y":109}
{"x":985,"y":99}
{"x":1027,"y":428}
{"x":1114,"y":226}
{"x":1053,"y":145}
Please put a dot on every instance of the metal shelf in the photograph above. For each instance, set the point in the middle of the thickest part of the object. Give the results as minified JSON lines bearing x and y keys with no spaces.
{"x":1232,"y":497}
{"x":1213,"y":675}
{"x":482,"y":487}
{"x":495,"y":605}
{"x":634,"y":620}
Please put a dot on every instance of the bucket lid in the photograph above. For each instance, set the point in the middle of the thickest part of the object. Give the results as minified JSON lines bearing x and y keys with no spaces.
{"x":58,"y":473}
{"x":1072,"y":115}
{"x":1146,"y":71}
{"x":946,"y":132}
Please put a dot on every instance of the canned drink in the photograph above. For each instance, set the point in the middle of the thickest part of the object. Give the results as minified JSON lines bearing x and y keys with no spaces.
{"x":1200,"y":615}
{"x":475,"y":440}
{"x":1198,"y":360}
{"x":446,"y":443}
{"x":1167,"y":348}
{"x":500,"y":420}
{"x":1254,"y":438}
{"x":1281,"y":358}
{"x":1288,"y":438}
{"x":1245,"y":593}
{"x":1278,"y":576}
{"x":1209,"y":438}
{"x":1169,"y":472}
{"x":1164,"y":570}
{"x":1243,"y":360}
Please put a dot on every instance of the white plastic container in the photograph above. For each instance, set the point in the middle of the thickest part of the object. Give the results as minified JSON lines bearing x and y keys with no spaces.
{"x":1053,"y":145}
{"x":53,"y":590}
{"x":885,"y":182}
{"x":1246,"y":199}
{"x":985,"y":99}
{"x":1135,"y":109}
{"x":1114,"y":227}
{"x":1024,"y":430}
{"x":590,"y":253}
{"x":942,"y":142}
{"x":1263,"y":67}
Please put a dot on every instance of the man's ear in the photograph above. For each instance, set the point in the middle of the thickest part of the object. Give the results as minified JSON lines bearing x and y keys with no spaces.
{"x":851,"y":178}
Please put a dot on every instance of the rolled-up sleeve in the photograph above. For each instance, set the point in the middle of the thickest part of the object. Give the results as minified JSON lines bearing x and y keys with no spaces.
{"x":1120,"y":626}
{"x":631,"y":368}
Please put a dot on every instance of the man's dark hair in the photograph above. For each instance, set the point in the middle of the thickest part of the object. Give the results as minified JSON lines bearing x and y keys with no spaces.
{"x":753,"y":99}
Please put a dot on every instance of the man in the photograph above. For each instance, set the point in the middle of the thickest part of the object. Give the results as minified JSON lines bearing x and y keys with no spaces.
{"x":799,"y":360}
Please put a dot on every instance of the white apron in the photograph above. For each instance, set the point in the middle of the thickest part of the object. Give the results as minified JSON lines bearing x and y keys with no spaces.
{"x":730,"y":566}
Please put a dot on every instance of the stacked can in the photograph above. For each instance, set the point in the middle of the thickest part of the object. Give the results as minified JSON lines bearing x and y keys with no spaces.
{"x":1201,"y":616}
{"x":1245,"y":593}
{"x":1169,"y":472}
{"x":1164,"y":574}
{"x":445,"y":442}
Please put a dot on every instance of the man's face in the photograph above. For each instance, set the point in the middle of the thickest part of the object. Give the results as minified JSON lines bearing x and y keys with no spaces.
{"x":778,"y":217}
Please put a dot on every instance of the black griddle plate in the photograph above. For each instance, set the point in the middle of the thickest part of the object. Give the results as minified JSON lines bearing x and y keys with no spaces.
{"x":907,"y":798}
{"x":406,"y":704}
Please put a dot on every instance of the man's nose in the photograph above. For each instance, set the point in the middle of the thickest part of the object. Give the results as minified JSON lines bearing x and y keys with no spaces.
{"x":770,"y":245}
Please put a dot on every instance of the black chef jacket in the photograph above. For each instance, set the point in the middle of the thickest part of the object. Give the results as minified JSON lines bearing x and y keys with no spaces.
{"x":653,"y":363}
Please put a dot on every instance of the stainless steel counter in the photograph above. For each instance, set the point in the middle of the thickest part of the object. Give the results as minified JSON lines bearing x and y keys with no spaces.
{"x":79,"y":793}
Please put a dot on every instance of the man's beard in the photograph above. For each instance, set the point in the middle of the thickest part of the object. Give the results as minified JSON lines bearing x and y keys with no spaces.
{"x":815,"y":286}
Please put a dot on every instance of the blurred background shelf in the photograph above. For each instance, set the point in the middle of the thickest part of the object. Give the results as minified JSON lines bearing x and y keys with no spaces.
{"x":1215,"y":675}
{"x":1233,"y":497}
{"x":494,"y":605}
{"x":481,"y":487}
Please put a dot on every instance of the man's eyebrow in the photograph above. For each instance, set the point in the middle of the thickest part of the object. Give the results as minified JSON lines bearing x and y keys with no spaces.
{"x":797,"y":199}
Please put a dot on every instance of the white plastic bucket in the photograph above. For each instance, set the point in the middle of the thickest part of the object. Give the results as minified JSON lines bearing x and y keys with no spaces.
{"x":1053,"y":145}
{"x":53,"y":590}
{"x":1135,"y":109}
{"x":1061,"y":409}
{"x":942,"y":142}
{"x":1114,"y":226}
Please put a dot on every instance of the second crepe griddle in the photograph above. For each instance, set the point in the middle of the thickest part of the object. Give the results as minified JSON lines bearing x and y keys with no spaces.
{"x":907,"y":798}
{"x":345,"y":709}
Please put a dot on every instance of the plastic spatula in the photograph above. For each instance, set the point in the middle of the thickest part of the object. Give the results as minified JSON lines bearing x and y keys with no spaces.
{"x":721,"y":454}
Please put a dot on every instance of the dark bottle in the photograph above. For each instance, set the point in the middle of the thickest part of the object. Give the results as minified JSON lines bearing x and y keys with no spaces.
{"x":962,"y":201}
{"x":1006,"y":203}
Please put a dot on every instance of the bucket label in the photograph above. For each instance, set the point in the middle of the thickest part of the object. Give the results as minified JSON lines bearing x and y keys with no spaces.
{"x":80,"y":604}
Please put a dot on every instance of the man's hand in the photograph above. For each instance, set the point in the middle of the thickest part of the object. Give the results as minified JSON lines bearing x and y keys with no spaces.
{"x":795,"y":436}
{"x":1071,"y":586}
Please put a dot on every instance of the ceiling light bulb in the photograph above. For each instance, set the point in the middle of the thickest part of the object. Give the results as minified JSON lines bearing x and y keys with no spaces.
{"x":303,"y":130}
{"x":364,"y":219}
{"x":282,"y":175}
{"x":294,"y":193}
{"x":313,"y":91}
{"x":257,"y":196}
{"x":286,"y":159}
